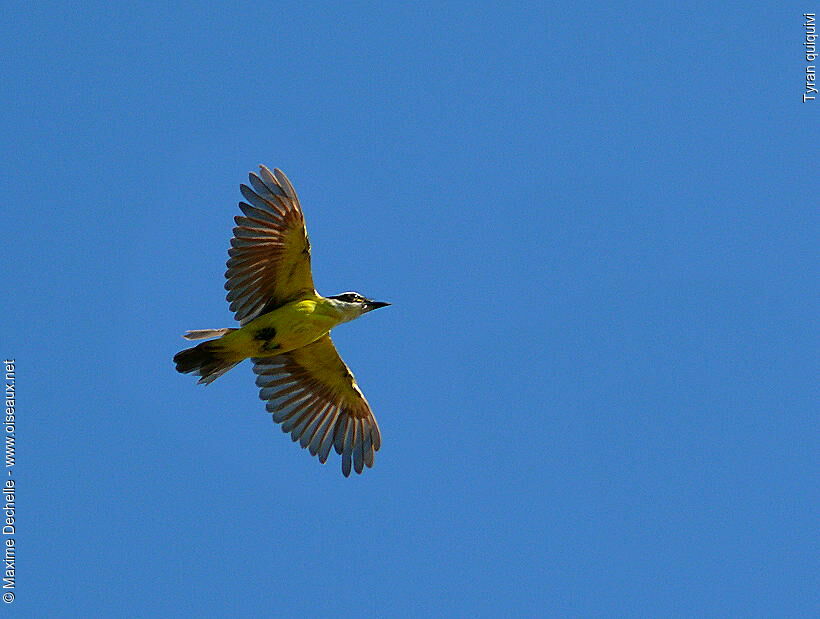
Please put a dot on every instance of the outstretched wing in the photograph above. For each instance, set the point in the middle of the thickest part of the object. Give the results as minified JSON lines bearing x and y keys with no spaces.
{"x":269,"y":262}
{"x":313,"y":394}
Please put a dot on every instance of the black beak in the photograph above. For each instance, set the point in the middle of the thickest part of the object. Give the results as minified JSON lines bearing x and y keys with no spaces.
{"x":371,"y":305}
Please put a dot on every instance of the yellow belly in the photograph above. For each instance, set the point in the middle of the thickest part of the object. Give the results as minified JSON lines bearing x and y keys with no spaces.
{"x":284,"y":329}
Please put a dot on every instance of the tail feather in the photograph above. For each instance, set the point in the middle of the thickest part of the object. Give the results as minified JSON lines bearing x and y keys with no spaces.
{"x":204,"y":334}
{"x":208,"y":360}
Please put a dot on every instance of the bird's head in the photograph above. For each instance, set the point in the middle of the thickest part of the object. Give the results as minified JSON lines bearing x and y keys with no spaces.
{"x":352,"y":304}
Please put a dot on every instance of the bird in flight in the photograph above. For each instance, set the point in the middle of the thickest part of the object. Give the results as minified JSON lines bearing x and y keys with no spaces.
{"x":285,"y":329}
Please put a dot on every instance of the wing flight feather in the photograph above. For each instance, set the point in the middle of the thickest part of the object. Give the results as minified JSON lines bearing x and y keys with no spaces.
{"x":314,"y":396}
{"x":269,"y":258}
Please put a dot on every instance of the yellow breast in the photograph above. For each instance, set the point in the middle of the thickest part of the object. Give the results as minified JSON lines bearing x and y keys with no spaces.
{"x":286,"y":328}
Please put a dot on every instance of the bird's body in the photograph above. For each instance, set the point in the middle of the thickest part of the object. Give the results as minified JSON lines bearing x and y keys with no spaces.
{"x":284,"y":329}
{"x":291,"y":326}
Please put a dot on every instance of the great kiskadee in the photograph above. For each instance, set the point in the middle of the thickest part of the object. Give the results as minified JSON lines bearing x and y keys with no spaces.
{"x":285,"y":329}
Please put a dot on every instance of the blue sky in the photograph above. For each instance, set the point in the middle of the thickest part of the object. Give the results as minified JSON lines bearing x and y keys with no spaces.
{"x":596,"y":226}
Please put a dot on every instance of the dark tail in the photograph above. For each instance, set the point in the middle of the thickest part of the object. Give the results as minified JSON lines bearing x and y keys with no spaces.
{"x":208,"y":360}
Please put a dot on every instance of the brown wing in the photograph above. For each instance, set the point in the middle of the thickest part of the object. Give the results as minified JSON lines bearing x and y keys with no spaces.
{"x":269,"y":261}
{"x":312,"y":393}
